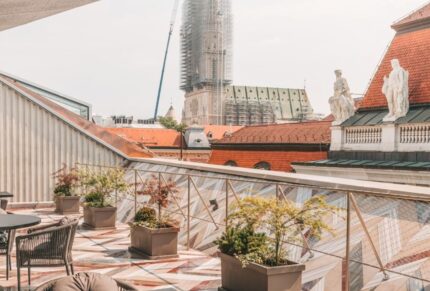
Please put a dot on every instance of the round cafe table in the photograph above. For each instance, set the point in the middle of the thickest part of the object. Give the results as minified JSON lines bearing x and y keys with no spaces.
{"x":11,"y":222}
{"x":6,"y":195}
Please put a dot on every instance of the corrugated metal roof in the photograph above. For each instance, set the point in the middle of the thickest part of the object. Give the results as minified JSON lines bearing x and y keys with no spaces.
{"x":18,"y":12}
{"x":391,"y":165}
{"x":416,"y":114}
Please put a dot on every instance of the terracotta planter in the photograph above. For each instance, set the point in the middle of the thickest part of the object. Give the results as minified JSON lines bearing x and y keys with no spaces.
{"x":104,"y":217}
{"x":255,"y":277}
{"x":154,"y":243}
{"x":67,"y":204}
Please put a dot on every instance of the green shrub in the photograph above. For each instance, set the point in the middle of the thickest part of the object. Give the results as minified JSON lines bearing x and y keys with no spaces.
{"x":94,"y":199}
{"x":243,"y":243}
{"x":102,"y":186}
{"x":259,"y":227}
{"x":145,"y":214}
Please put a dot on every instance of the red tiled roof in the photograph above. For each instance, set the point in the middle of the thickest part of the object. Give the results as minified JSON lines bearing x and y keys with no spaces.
{"x":415,"y":18}
{"x":413,"y":51}
{"x":278,"y":160}
{"x":218,"y":131}
{"x":127,"y":148}
{"x":314,"y":132}
{"x":411,"y":46}
{"x":150,"y":137}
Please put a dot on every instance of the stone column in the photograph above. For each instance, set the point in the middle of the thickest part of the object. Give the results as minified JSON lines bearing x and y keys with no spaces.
{"x":389,"y":137}
{"x":336,"y":138}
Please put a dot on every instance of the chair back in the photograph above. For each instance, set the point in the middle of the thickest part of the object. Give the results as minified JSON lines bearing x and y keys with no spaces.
{"x":3,"y":204}
{"x":73,"y":226}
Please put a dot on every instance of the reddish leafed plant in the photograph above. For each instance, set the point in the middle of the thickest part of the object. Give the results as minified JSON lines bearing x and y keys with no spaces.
{"x":159,"y":192}
{"x":66,"y":180}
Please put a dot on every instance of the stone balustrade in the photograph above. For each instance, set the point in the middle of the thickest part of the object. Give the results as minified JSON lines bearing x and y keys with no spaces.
{"x":414,"y":133}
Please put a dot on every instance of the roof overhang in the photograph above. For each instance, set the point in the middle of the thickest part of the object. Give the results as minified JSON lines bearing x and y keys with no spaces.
{"x":18,"y":12}
{"x":408,"y":177}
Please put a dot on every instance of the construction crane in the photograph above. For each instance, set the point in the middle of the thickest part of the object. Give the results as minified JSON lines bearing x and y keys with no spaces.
{"x":172,"y":24}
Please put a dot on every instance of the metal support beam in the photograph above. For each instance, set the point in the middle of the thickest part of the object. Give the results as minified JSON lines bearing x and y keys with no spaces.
{"x":233,"y":191}
{"x":203,"y":201}
{"x":188,"y":212}
{"x":348,"y":238}
{"x":363,"y":225}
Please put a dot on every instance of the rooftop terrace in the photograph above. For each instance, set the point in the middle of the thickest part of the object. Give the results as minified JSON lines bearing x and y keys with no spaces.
{"x":105,"y":251}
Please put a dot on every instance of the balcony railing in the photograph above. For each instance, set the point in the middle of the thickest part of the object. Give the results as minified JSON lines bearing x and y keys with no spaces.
{"x":363,"y":135}
{"x":415,"y":133}
{"x":380,"y":236}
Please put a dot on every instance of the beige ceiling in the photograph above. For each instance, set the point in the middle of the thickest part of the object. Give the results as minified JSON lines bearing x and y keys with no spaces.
{"x":17,"y":12}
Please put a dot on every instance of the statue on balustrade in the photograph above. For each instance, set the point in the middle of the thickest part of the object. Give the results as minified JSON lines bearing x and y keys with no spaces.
{"x":341,"y":103}
{"x":396,"y":90}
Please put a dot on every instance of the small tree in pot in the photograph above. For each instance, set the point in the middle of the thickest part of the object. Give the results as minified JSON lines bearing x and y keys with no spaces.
{"x":99,"y":211}
{"x":153,"y":234}
{"x":65,"y":198}
{"x":253,"y":257}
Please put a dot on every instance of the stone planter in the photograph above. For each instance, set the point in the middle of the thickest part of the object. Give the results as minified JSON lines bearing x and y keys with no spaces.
{"x":67,"y":204}
{"x":255,"y":277}
{"x":154,"y":243}
{"x":97,"y":218}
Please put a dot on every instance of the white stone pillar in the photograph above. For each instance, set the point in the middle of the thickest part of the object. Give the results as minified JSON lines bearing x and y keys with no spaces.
{"x":336,"y":138}
{"x":389,"y":137}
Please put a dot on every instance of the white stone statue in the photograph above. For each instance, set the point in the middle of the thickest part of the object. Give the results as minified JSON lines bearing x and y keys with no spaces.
{"x":396,"y":90}
{"x":341,"y":103}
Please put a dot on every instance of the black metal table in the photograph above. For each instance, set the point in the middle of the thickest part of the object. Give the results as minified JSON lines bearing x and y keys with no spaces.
{"x":11,"y":222}
{"x":6,"y":195}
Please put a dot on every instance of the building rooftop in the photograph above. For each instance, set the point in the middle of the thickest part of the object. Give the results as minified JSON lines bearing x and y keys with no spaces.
{"x":219,"y":131}
{"x":150,"y":137}
{"x":414,"y":19}
{"x":411,"y":49}
{"x":19,"y":12}
{"x":312,"y":132}
{"x":125,"y":147}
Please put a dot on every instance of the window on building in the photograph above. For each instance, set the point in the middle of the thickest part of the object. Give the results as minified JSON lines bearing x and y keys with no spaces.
{"x":230,"y":163}
{"x":262,"y":166}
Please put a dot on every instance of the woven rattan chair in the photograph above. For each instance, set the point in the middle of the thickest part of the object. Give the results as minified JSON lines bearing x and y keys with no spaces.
{"x":45,"y":246}
{"x":6,"y":245}
{"x":3,"y":204}
{"x":122,"y":286}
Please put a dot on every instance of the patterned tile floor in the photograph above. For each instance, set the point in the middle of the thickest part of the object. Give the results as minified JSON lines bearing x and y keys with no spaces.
{"x":106,"y":252}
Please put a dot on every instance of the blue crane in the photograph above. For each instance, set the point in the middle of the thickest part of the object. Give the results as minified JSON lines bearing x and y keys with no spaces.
{"x":172,"y":24}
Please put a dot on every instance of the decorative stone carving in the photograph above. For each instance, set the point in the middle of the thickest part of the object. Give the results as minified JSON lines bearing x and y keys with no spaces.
{"x":341,"y":103}
{"x":396,"y":90}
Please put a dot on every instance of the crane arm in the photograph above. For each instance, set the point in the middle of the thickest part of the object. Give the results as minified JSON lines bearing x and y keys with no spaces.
{"x":172,"y":24}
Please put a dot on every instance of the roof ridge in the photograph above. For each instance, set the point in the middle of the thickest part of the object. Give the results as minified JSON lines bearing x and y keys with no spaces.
{"x":75,"y":120}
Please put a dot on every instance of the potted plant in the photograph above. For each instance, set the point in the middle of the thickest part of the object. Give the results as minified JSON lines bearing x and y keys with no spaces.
{"x":99,"y":211}
{"x":153,"y":234}
{"x":65,"y":198}
{"x":253,"y":257}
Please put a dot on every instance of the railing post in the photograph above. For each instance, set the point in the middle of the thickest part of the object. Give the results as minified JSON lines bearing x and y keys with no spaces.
{"x":366,"y":231}
{"x":348,"y":237}
{"x":227,"y":181}
{"x":135,"y":192}
{"x":188,"y":212}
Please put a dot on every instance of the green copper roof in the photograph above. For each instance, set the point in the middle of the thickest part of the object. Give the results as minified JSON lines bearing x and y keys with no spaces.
{"x":416,"y":114}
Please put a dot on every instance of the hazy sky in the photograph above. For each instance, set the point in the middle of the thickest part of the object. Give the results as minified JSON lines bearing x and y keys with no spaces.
{"x":110,"y":53}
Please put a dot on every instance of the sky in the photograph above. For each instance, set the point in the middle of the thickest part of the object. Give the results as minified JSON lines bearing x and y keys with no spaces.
{"x":110,"y":53}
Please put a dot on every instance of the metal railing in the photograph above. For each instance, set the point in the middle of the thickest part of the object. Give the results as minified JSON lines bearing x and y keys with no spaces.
{"x":377,"y":226}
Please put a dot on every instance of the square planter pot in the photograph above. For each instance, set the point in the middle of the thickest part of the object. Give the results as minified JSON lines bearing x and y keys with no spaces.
{"x":255,"y":277}
{"x":97,"y":218}
{"x":154,"y":243}
{"x":67,"y":204}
